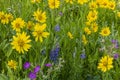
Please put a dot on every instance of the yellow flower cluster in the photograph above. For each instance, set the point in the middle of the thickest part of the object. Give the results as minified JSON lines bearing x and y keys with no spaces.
{"x":5,"y":18}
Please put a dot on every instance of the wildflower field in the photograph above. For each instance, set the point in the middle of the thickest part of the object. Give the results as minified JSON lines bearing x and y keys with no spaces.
{"x":59,"y":40}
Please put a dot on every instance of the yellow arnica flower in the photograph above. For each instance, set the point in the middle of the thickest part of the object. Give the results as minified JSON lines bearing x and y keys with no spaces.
{"x":10,"y":17}
{"x":111,"y":5}
{"x":54,"y":4}
{"x":94,"y":27}
{"x":69,"y":1}
{"x":82,"y":1}
{"x":40,"y":16}
{"x":17,"y":24}
{"x":1,"y":14}
{"x":35,"y":1}
{"x":105,"y":31}
{"x":104,"y":4}
{"x":105,"y":63}
{"x":84,"y":40}
{"x":21,"y":42}
{"x":39,"y":32}
{"x":70,"y":35}
{"x":87,"y":30}
{"x":93,"y":5}
{"x":30,"y":25}
{"x":4,"y":19}
{"x":12,"y":64}
{"x":118,"y":14}
{"x":92,"y":16}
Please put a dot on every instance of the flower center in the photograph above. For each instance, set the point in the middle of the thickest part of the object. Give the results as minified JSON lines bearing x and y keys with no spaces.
{"x":53,"y":3}
{"x":105,"y":63}
{"x":105,"y":32}
{"x":39,"y":32}
{"x":17,"y":25}
{"x":21,"y":43}
{"x":40,"y":17}
{"x":3,"y":17}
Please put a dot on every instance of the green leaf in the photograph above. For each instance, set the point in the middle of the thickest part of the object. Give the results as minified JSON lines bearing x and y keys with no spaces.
{"x":3,"y":77}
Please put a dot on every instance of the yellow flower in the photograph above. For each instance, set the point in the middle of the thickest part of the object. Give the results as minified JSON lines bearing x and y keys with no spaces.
{"x":105,"y":31}
{"x":10,"y":17}
{"x":69,"y":1}
{"x":105,"y":63}
{"x":21,"y":42}
{"x":1,"y":14}
{"x":94,"y":27}
{"x":93,"y":5}
{"x":104,"y":4}
{"x":17,"y":24}
{"x":99,"y":2}
{"x":4,"y":19}
{"x":92,"y":16}
{"x":87,"y":30}
{"x":39,"y":32}
{"x":88,"y":23}
{"x":30,"y":25}
{"x":70,"y":35}
{"x":84,"y":40}
{"x":35,"y":1}
{"x":12,"y":64}
{"x":118,"y":14}
{"x":111,"y":5}
{"x":40,"y":16}
{"x":82,"y":1}
{"x":54,"y":4}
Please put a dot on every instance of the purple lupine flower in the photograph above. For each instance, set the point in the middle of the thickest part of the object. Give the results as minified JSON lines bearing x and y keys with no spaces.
{"x":82,"y":56}
{"x":37,"y":69}
{"x":32,"y":75}
{"x":114,"y":41}
{"x":117,"y":45}
{"x":60,"y":13}
{"x":54,"y":54}
{"x":26,"y":65}
{"x":48,"y":65}
{"x":116,"y":56}
{"x":57,"y":28}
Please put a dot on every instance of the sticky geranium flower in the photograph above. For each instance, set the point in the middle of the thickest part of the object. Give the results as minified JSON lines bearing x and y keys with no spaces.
{"x":32,"y":75}
{"x":39,"y":32}
{"x":116,"y":56}
{"x":18,"y":24}
{"x":37,"y":69}
{"x":26,"y":65}
{"x":48,"y":65}
{"x":12,"y":64}
{"x":21,"y":42}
